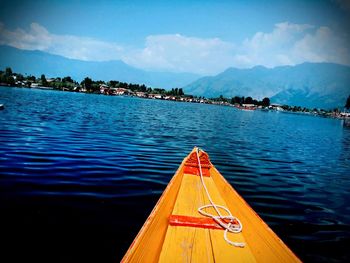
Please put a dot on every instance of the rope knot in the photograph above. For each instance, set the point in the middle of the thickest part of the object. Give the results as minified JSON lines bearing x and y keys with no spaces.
{"x":227,"y":222}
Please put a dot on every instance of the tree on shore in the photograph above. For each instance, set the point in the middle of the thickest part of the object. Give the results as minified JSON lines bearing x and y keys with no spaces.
{"x":175,"y":92}
{"x":67,"y":79}
{"x":11,"y":81}
{"x":181,"y":93}
{"x":143,"y":88}
{"x":248,"y":100}
{"x":8,"y":72}
{"x":31,"y":78}
{"x":87,"y":83}
{"x":236,"y":100}
{"x":19,"y":77}
{"x":347,"y":105}
{"x":265,"y":102}
{"x":43,"y":80}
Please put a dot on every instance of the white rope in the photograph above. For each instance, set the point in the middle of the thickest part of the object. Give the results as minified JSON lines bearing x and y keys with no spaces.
{"x":229,"y":227}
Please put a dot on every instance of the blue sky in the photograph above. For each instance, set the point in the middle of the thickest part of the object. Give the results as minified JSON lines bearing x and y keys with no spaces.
{"x":202,"y":37}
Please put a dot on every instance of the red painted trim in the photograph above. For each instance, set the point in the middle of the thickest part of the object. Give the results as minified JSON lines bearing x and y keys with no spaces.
{"x":192,"y":166}
{"x":195,"y":171}
{"x":201,"y":222}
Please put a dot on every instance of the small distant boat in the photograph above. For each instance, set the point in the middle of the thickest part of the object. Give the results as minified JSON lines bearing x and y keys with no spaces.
{"x":2,"y":106}
{"x":36,"y":86}
{"x":201,"y":218}
{"x":247,"y":107}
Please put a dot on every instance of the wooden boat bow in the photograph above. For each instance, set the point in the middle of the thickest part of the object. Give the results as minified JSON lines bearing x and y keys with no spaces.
{"x":176,"y":232}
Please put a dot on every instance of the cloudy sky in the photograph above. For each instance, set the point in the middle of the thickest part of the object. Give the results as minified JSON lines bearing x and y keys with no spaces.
{"x":203,"y":37}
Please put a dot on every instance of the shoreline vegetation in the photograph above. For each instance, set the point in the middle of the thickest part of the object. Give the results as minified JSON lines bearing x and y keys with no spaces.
{"x":117,"y":88}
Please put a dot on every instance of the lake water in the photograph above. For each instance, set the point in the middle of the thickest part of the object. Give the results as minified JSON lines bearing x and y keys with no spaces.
{"x":80,"y":173}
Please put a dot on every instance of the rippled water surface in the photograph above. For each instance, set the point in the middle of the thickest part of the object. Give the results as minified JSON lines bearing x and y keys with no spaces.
{"x":80,"y":173}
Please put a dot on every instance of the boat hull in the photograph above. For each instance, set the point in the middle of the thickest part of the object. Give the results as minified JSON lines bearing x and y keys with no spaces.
{"x":160,"y":240}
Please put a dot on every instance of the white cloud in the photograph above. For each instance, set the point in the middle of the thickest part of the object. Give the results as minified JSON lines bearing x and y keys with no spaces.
{"x":290,"y":44}
{"x":172,"y":52}
{"x":39,"y":38}
{"x":286,"y":44}
{"x":322,"y":46}
{"x":180,"y":53}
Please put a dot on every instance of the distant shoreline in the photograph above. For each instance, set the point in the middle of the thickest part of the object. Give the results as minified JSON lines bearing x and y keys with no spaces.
{"x":272,"y":107}
{"x":115,"y":88}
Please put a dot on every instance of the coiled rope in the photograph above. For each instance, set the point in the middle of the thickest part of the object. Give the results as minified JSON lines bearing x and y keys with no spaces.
{"x":219,"y":218}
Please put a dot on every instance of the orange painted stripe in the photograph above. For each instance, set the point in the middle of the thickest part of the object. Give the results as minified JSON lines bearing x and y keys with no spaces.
{"x":202,"y":222}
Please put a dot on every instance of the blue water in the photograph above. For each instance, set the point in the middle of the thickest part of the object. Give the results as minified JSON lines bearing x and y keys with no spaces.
{"x":80,"y":173}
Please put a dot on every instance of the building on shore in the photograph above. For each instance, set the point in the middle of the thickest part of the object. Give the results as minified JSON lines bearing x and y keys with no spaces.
{"x":275,"y":106}
{"x":141,"y":94}
{"x":104,"y":89}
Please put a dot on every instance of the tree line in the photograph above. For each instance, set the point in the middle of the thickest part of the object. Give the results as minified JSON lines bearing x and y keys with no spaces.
{"x":8,"y":77}
{"x":94,"y":86}
{"x":265,"y":102}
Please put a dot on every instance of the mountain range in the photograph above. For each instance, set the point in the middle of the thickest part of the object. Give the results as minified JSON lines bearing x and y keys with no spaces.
{"x":38,"y":62}
{"x":312,"y":85}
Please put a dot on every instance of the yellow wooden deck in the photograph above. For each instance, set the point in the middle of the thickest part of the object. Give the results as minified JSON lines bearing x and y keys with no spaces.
{"x":193,"y":244}
{"x":158,"y":241}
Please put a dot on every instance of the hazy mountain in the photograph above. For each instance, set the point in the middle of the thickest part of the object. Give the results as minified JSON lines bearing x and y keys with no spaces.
{"x":323,"y":85}
{"x":38,"y":62}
